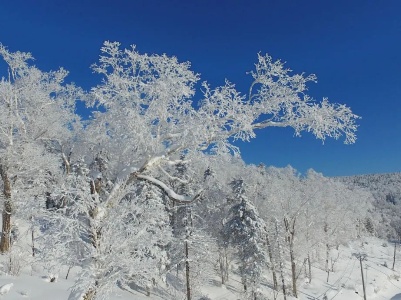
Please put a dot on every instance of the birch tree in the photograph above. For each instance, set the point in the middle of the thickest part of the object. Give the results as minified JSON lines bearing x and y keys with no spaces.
{"x":150,"y":114}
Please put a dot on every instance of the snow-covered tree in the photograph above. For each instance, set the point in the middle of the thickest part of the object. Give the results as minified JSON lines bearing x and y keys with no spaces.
{"x":281,"y":203}
{"x":386,"y":190}
{"x":214,"y":206}
{"x":150,"y":118}
{"x":37,"y":109}
{"x":244,"y":230}
{"x":341,"y":212}
{"x":124,"y":244}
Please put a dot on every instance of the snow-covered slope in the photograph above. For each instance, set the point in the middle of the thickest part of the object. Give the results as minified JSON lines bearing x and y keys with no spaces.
{"x":386,"y":190}
{"x":344,"y":283}
{"x":385,"y":187}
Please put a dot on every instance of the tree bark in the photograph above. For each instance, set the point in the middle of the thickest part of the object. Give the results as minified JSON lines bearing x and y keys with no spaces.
{"x":327,"y":262}
{"x":95,"y":235}
{"x":95,"y":231}
{"x":281,"y":264}
{"x":290,"y":228}
{"x":395,"y":250}
{"x":326,"y":230}
{"x":293,"y":273}
{"x":270,"y":252}
{"x":188,"y":223}
{"x":309,"y":268}
{"x":363,"y":280}
{"x":33,"y":241}
{"x":5,"y":242}
{"x":67,"y":165}
{"x":223,"y":264}
{"x":68,"y":272}
{"x":187,"y":271}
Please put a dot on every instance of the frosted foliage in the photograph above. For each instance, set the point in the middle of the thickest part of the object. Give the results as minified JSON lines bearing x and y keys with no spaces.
{"x":66,"y":238}
{"x":37,"y":112}
{"x":36,"y":103}
{"x":150,"y":118}
{"x":386,"y":190}
{"x":305,"y":215}
{"x":341,"y":208}
{"x":243,"y":230}
{"x":149,"y":92}
{"x":281,"y":97}
{"x":131,"y":235}
{"x":224,"y":113}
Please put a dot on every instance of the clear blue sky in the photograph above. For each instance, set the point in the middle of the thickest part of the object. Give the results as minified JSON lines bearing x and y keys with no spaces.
{"x":354,"y":47}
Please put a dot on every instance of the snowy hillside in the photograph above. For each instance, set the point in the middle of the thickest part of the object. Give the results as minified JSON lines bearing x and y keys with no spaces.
{"x":344,"y":283}
{"x":386,"y":190}
{"x":385,"y":187}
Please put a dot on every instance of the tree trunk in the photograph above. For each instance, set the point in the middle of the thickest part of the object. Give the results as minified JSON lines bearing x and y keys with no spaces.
{"x":290,"y":239}
{"x":187,"y":271}
{"x":95,"y":230}
{"x":33,"y":241}
{"x":293,"y":273}
{"x":95,"y":235}
{"x":270,"y":251}
{"x":223,"y":264}
{"x":326,"y":230}
{"x":327,"y":261}
{"x":5,"y":242}
{"x":67,"y":165}
{"x":188,"y":224}
{"x":68,"y":272}
{"x":395,"y":250}
{"x":226,"y":263}
{"x":281,"y":264}
{"x":309,"y":268}
{"x":363,"y":280}
{"x":282,"y":279}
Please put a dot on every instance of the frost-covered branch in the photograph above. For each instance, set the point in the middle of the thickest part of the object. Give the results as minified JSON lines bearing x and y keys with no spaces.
{"x":174,"y":178}
{"x":169,"y":191}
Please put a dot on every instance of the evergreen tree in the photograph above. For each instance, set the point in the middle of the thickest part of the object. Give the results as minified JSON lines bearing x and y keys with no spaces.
{"x":244,"y":230}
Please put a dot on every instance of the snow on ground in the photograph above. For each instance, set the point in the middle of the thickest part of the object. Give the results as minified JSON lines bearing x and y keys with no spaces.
{"x":344,"y":283}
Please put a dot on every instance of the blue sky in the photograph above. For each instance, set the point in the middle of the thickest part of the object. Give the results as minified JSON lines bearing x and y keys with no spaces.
{"x":354,"y":47}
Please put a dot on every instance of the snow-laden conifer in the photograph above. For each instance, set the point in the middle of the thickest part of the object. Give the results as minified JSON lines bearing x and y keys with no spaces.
{"x":243,"y":230}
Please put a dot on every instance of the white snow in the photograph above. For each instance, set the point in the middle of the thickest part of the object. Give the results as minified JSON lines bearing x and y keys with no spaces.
{"x":344,"y":283}
{"x":6,"y":288}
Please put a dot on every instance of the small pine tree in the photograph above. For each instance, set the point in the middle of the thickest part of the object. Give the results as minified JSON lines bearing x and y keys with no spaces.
{"x":243,"y":231}
{"x":369,"y":226}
